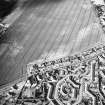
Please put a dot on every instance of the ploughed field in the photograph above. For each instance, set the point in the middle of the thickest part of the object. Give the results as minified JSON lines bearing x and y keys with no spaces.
{"x":47,"y":29}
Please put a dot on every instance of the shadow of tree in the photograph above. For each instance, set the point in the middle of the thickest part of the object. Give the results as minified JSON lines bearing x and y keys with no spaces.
{"x":6,"y":7}
{"x":33,"y":3}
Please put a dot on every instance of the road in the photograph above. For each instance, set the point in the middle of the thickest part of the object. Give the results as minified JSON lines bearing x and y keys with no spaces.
{"x":47,"y":29}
